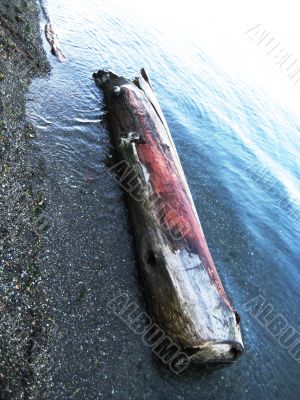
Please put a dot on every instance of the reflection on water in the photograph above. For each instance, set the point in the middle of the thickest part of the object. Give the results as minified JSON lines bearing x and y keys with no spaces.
{"x":238,"y":146}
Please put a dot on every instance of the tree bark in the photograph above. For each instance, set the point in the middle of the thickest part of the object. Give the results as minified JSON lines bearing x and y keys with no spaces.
{"x":185,"y":293}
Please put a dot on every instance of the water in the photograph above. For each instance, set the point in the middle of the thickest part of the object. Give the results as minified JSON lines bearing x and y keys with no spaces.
{"x":235,"y":128}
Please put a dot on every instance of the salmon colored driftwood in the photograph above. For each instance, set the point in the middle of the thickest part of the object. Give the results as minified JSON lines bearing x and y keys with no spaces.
{"x":185,"y":293}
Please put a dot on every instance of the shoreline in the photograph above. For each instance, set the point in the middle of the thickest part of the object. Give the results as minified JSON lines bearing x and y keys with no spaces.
{"x":24,"y":313}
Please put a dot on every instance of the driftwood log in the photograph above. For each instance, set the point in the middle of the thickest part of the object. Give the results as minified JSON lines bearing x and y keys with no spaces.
{"x":52,"y":39}
{"x":185,"y":293}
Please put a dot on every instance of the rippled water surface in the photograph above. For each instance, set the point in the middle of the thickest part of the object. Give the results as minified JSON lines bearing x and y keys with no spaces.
{"x":237,"y":133}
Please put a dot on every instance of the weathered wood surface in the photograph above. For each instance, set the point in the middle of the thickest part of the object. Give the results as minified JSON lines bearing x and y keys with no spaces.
{"x":52,"y":39}
{"x":186,"y":296}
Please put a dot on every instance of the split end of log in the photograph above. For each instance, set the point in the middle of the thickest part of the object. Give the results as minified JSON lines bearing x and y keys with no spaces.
{"x":215,"y":352}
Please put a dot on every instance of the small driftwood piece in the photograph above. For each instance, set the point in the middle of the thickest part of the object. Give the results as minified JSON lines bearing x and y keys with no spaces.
{"x":51,"y":37}
{"x":186,"y":296}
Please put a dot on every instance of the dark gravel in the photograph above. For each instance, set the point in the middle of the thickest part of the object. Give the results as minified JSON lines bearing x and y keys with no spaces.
{"x":25,"y":319}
